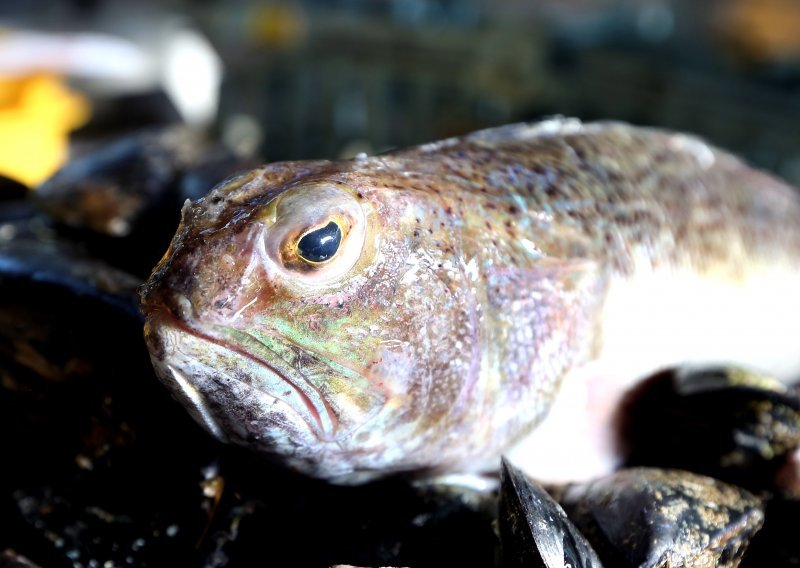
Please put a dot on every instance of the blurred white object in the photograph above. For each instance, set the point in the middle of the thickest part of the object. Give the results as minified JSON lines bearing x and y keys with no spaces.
{"x":84,"y":55}
{"x":243,"y":134}
{"x":176,"y":59}
{"x":191,"y":75}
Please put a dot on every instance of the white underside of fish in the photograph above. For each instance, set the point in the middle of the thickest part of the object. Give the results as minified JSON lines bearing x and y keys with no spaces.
{"x":654,"y":321}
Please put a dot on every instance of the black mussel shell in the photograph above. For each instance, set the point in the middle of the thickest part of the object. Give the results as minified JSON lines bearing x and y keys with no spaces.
{"x":534,"y":530}
{"x":10,"y":559}
{"x":727,"y":423}
{"x":651,"y":517}
{"x":122,"y":200}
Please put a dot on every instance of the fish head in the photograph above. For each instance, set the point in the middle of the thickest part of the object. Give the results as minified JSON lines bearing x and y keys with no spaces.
{"x":313,"y":315}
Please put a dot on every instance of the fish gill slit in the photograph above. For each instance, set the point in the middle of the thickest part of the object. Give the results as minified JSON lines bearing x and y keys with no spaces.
{"x":329,"y":411}
{"x":318,"y":430}
{"x":308,"y":403}
{"x":325,"y":359}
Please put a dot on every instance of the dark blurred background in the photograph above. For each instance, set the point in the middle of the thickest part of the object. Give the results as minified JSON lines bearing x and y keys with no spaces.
{"x":293,"y":80}
{"x":100,"y":468}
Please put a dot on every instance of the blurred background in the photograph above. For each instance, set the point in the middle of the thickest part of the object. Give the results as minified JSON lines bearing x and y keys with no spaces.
{"x":295,"y":80}
{"x":113,"y":113}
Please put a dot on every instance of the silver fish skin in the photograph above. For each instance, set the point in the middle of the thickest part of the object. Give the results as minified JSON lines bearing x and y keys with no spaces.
{"x":427,"y":310}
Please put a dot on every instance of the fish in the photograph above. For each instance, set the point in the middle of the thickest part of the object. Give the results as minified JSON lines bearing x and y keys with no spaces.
{"x":425,"y":311}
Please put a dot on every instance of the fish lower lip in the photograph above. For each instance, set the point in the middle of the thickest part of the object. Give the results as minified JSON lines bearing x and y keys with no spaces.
{"x":318,"y":416}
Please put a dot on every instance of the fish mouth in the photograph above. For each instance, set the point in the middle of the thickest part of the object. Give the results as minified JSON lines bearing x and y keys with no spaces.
{"x":271,"y":379}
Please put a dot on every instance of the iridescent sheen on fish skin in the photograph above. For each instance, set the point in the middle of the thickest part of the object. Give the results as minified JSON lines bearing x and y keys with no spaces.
{"x":473,"y":276}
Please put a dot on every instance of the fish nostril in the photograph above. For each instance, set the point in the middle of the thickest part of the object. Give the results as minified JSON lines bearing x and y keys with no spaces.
{"x":183,"y":307}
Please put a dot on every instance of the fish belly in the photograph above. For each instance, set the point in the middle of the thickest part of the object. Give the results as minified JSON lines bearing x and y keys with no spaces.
{"x":656,"y":320}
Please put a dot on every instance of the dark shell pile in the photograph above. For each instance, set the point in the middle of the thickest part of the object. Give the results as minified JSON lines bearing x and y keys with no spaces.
{"x":102,"y":469}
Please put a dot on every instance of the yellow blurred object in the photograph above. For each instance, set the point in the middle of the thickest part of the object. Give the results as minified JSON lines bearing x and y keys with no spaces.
{"x":279,"y":26}
{"x":764,"y":30}
{"x":36,"y":114}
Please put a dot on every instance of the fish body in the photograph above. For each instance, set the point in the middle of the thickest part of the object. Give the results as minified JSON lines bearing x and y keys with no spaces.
{"x":426,"y":310}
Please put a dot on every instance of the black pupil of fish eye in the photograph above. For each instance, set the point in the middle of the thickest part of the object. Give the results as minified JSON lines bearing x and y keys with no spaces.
{"x":320,"y":245}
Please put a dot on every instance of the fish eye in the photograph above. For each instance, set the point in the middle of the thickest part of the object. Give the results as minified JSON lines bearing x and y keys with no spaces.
{"x":314,"y":234}
{"x":320,"y":244}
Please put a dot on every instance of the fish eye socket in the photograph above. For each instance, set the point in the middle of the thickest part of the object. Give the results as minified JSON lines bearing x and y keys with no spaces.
{"x":320,"y":244}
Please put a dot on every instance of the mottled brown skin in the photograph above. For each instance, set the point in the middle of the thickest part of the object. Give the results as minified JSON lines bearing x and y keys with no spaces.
{"x":480,"y":284}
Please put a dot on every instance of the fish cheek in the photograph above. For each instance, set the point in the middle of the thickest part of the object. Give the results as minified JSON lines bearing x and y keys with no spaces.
{"x":438,"y":360}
